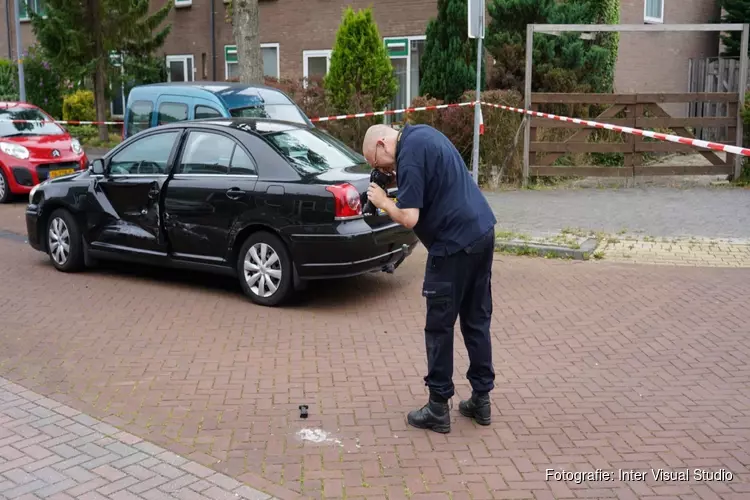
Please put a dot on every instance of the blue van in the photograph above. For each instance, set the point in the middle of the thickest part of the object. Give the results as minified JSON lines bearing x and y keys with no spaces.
{"x":159,"y":103}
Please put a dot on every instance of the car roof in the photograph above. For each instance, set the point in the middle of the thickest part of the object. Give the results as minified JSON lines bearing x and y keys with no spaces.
{"x":232,"y":94}
{"x":260,"y":126}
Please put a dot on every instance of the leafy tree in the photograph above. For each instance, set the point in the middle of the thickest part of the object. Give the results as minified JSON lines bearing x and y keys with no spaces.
{"x":562,"y":63}
{"x":450,"y":57}
{"x":737,"y":11}
{"x":78,"y":36}
{"x":360,"y":65}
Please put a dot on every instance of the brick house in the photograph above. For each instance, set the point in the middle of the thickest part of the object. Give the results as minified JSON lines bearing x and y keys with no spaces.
{"x":297,"y":36}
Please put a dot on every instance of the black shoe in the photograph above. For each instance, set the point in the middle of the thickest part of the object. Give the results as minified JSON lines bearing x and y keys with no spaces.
{"x":435,"y":416}
{"x":478,"y":408}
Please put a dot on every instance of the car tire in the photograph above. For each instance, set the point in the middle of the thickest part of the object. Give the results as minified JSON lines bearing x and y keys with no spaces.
{"x":64,"y":242}
{"x":255,"y":274}
{"x":5,"y":194}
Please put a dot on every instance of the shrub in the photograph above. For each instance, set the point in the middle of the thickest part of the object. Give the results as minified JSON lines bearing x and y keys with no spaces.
{"x":500,"y":158}
{"x":359,"y":64}
{"x":8,"y":80}
{"x":43,"y":85}
{"x":79,"y":106}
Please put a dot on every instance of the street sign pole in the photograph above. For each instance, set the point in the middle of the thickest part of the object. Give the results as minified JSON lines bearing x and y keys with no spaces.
{"x":476,"y":30}
{"x":21,"y":79}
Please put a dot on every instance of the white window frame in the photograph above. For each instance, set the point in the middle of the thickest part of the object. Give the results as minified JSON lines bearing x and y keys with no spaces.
{"x":184,"y":58}
{"x":262,"y":46}
{"x":182,"y":3}
{"x":649,"y":19}
{"x":409,"y":39}
{"x":307,"y":54}
{"x":27,"y":18}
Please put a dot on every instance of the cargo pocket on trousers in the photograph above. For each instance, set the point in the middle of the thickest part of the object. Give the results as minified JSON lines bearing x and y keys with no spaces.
{"x":439,"y":297}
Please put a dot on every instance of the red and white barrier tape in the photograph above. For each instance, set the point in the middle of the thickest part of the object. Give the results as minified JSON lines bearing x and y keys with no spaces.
{"x":634,"y":131}
{"x":390,"y":112}
{"x":625,"y":130}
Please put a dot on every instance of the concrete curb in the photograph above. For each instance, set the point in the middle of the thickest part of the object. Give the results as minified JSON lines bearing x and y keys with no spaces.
{"x":542,"y":249}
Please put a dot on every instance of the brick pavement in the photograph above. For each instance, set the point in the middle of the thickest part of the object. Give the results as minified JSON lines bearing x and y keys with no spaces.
{"x":705,"y":252}
{"x":600,"y":365}
{"x":50,"y":450}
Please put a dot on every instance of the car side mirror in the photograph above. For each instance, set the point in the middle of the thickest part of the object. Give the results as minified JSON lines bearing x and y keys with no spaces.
{"x":97,"y":166}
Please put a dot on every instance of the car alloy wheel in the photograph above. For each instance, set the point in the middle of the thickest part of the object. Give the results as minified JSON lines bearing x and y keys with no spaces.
{"x":64,"y":242}
{"x":263,"y":271}
{"x":59,"y":241}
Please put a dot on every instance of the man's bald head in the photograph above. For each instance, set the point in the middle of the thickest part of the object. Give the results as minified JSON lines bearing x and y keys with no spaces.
{"x":379,"y":147}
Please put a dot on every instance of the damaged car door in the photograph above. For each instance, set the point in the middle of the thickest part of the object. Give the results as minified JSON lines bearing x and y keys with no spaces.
{"x":129,"y":196}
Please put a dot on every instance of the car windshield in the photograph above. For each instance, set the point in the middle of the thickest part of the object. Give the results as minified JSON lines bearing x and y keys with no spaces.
{"x":9,"y":128}
{"x":313,"y":151}
{"x":285,"y":112}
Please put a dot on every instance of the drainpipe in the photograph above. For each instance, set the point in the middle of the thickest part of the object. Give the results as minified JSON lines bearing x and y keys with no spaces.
{"x":213,"y":40}
{"x":7,"y":24}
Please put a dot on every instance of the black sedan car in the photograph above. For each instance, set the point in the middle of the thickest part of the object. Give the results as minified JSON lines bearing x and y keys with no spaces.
{"x":271,"y":202}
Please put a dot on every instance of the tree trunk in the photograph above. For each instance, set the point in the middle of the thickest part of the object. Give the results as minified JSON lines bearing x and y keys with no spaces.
{"x":100,"y":72}
{"x":245,"y":26}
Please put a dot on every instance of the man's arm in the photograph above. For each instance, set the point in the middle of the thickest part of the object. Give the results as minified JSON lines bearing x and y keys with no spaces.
{"x":407,"y":217}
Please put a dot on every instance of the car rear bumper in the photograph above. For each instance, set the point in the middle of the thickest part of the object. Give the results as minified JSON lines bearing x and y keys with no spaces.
{"x":355,"y":249}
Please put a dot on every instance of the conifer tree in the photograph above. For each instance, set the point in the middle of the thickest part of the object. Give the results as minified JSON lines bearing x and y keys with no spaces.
{"x":450,"y":59}
{"x":737,"y":11}
{"x":360,"y":65}
{"x":78,"y":36}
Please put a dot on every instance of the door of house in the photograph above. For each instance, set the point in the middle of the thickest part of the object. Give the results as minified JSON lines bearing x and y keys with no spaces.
{"x":180,"y":68}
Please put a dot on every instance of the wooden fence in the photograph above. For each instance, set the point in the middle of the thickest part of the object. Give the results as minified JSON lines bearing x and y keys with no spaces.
{"x":713,"y":74}
{"x":643,"y":111}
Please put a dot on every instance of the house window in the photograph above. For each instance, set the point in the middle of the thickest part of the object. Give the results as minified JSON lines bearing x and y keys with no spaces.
{"x":653,"y":11}
{"x":182,"y":3}
{"x":180,"y":68}
{"x":406,"y":56}
{"x":269,"y":52}
{"x":26,"y":6}
{"x":316,"y":63}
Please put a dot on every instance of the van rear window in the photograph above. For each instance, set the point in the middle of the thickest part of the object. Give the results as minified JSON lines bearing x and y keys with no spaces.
{"x":141,"y":113}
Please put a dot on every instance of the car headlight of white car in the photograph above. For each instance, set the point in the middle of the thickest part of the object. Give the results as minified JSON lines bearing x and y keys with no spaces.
{"x":14,"y":150}
{"x":75,"y":145}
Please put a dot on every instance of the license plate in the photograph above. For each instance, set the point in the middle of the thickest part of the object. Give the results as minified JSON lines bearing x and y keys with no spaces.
{"x":60,"y":173}
{"x":380,"y":211}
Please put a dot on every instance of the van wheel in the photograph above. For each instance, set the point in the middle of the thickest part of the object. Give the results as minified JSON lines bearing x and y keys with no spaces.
{"x":64,"y":242}
{"x":265,"y":269}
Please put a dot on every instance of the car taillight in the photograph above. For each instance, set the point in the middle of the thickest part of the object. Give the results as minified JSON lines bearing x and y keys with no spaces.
{"x":348,"y":202}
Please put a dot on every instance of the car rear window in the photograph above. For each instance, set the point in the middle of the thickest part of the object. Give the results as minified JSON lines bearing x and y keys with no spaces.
{"x":312,"y":151}
{"x":141,"y":113}
{"x":41,"y":124}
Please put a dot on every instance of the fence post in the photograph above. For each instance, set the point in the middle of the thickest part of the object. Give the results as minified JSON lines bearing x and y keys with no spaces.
{"x":527,"y":103}
{"x":741,"y":85}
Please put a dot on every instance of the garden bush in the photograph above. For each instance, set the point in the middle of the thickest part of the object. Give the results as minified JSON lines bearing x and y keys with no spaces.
{"x":43,"y":85}
{"x":79,"y":106}
{"x":501,"y":146}
{"x":8,"y":80}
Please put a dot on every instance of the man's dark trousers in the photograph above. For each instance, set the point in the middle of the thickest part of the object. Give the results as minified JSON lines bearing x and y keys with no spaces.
{"x":459,"y":285}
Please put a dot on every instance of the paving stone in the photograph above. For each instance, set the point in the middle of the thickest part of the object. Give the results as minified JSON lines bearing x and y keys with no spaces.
{"x":97,"y":468}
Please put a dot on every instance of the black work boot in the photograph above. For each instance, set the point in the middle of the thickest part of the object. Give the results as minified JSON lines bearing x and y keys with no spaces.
{"x":435,"y":416}
{"x":478,"y":408}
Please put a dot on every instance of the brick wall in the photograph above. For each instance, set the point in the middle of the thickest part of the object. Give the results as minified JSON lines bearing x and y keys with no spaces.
{"x":658,"y":62}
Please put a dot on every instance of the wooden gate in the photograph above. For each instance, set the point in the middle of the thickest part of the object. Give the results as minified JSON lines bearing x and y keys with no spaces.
{"x":548,"y":158}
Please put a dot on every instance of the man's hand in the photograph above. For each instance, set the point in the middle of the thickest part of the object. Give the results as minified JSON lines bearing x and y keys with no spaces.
{"x":377,"y":196}
{"x":407,"y":217}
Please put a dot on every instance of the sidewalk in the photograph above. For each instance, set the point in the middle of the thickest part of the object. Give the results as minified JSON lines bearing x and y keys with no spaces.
{"x":49,"y":450}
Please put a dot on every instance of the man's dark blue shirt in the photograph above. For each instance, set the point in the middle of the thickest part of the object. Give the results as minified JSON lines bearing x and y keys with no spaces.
{"x":432,"y":176}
